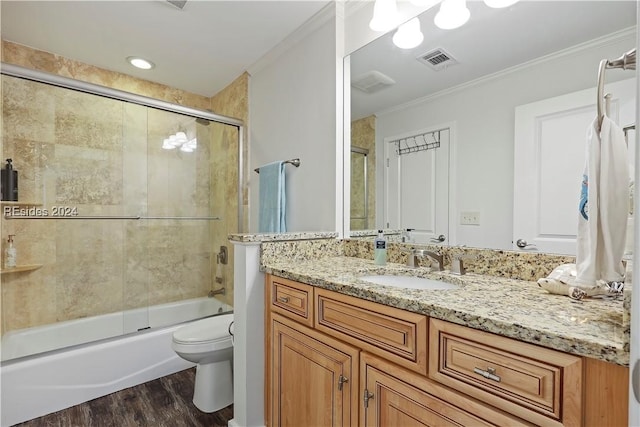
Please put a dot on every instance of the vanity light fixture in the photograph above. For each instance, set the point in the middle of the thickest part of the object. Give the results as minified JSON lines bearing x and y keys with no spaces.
{"x":452,"y":14}
{"x":496,"y":4}
{"x":408,"y":35}
{"x":179,"y":139}
{"x":141,"y":63}
{"x":385,"y":15}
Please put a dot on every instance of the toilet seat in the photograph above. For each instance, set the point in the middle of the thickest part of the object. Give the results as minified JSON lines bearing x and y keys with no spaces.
{"x":211,"y":330}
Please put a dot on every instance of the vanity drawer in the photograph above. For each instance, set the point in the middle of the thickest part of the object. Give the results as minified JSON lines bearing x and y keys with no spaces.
{"x":537,"y":384}
{"x":291,"y":299}
{"x":397,"y":335}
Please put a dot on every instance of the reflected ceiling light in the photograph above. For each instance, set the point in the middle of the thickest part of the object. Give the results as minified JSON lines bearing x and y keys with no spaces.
{"x":452,"y":14}
{"x":179,"y":139}
{"x":141,"y":63}
{"x":408,"y":35}
{"x":385,"y":15}
{"x":500,"y":3}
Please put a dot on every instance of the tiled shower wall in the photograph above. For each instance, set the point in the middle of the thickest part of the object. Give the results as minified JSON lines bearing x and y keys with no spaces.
{"x":363,"y":135}
{"x":105,"y":168}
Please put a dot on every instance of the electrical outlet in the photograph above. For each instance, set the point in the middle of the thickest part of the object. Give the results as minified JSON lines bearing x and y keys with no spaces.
{"x":470,"y":218}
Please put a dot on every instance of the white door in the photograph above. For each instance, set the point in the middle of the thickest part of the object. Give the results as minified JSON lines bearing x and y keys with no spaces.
{"x":416,"y":190}
{"x":549,"y":157}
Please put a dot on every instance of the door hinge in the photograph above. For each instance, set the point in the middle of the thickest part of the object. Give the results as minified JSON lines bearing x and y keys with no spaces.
{"x":366,"y":396}
{"x":341,"y":380}
{"x":387,"y":162}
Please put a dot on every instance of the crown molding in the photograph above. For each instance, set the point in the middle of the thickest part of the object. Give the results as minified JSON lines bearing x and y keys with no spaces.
{"x":598,"y":42}
{"x":318,"y":20}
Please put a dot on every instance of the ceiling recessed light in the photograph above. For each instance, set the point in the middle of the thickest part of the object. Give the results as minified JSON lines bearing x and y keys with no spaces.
{"x":140,"y":63}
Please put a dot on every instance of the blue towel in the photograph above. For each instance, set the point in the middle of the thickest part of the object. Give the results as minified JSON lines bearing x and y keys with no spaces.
{"x":271,"y":218}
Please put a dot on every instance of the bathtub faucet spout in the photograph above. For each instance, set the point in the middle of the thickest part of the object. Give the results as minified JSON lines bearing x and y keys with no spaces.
{"x":214,"y":292}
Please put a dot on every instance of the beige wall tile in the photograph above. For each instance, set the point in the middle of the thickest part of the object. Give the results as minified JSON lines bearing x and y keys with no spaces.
{"x":115,"y":166}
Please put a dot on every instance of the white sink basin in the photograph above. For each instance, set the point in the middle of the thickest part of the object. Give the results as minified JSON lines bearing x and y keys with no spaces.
{"x":408,"y":282}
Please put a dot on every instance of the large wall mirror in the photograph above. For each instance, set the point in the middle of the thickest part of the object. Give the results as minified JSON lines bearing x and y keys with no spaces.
{"x":445,"y":122}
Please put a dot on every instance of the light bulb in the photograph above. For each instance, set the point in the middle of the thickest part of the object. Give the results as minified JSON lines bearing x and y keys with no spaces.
{"x":408,"y":35}
{"x":500,"y":3}
{"x":452,"y":14}
{"x":140,"y":63}
{"x":385,"y":15}
{"x":167,"y":145}
{"x":181,"y":137}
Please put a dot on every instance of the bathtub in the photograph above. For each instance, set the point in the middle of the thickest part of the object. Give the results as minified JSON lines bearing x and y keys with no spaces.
{"x":41,"y":384}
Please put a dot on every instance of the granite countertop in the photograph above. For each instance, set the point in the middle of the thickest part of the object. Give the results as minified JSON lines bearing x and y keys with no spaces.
{"x":517,"y":309}
{"x":281,"y":237}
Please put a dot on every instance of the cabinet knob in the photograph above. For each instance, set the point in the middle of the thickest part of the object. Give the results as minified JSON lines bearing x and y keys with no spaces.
{"x":283,"y":299}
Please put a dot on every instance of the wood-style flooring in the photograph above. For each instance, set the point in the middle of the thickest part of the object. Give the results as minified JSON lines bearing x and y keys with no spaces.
{"x":165,"y":402}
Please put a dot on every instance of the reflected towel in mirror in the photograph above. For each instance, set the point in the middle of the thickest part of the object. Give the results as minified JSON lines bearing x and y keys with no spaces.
{"x":604,"y":205}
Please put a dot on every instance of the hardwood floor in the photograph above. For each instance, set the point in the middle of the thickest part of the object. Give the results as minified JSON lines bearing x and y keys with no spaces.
{"x":165,"y":402}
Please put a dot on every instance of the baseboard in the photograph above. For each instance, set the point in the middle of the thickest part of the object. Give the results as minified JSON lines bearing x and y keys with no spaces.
{"x":232,"y":423}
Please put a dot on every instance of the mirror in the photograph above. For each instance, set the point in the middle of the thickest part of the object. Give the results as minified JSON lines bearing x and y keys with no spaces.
{"x":499,"y":60}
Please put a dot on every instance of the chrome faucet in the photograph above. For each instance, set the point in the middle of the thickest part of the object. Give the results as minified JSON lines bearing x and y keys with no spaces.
{"x":457,"y":267}
{"x":436,"y":257}
{"x":414,"y":254}
{"x":412,"y":257}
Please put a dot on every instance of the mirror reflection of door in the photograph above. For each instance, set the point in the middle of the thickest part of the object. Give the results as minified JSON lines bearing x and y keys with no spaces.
{"x":359,"y":189}
{"x":549,"y":158}
{"x":417,"y":184}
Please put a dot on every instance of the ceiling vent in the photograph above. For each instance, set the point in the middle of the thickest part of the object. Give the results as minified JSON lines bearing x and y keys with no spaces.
{"x":372,"y":82}
{"x":437,"y":59}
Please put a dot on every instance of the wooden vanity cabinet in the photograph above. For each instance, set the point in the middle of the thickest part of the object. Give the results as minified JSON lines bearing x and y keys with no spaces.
{"x":335,"y":360}
{"x":394,"y":396}
{"x":314,"y":378}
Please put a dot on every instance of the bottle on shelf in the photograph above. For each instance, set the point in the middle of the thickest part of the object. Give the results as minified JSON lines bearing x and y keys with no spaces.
{"x":10,"y":258}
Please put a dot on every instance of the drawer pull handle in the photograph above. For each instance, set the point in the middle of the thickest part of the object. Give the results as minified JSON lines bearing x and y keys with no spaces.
{"x":283,"y":299}
{"x":341,"y":380}
{"x":490,"y":374}
{"x":366,"y":396}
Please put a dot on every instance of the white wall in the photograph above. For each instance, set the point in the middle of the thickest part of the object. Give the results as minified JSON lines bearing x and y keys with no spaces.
{"x":292,"y":114}
{"x":484,"y":115}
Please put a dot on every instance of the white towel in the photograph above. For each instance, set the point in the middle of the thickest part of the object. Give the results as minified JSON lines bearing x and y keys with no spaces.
{"x":604,"y":205}
{"x":271,"y":218}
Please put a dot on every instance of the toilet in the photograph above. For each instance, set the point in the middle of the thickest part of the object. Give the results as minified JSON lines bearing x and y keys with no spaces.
{"x":207,"y":342}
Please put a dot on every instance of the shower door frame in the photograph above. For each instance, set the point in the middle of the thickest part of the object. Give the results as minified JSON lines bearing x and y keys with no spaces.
{"x":65,"y":82}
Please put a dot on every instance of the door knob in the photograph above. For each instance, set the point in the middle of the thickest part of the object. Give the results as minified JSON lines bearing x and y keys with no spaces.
{"x":521,"y":243}
{"x":439,"y":239}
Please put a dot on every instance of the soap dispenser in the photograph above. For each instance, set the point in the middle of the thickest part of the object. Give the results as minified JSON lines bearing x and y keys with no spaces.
{"x":380,"y":249}
{"x":9,"y":182}
{"x":10,"y":254}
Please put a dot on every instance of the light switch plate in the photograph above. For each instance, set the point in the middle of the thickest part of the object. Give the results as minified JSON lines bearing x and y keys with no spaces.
{"x":470,"y":218}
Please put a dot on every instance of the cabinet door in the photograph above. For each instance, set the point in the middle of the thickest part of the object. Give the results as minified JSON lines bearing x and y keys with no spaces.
{"x":314,"y":378}
{"x":394,"y":397}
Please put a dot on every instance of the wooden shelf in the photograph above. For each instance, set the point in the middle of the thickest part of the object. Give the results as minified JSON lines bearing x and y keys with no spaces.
{"x":20,"y":268}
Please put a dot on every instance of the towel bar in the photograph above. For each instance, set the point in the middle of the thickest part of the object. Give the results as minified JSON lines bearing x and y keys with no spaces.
{"x":626,"y":62}
{"x":294,"y":162}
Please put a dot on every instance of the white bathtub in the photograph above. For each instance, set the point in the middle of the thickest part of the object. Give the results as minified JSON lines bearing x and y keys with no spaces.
{"x":41,"y":384}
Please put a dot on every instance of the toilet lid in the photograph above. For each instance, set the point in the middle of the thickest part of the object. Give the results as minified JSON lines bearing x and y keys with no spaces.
{"x":209,"y":329}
